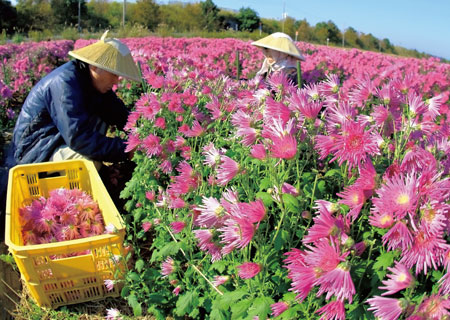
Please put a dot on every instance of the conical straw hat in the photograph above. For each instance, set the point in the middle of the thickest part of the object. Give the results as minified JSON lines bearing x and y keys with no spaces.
{"x":280,"y":42}
{"x":110,"y":55}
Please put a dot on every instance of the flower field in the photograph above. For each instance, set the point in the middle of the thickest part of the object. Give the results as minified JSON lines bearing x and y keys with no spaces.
{"x":256,"y":199}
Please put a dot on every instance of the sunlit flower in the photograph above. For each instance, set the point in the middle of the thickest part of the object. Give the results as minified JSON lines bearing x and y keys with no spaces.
{"x":167,"y":267}
{"x":400,"y":279}
{"x":113,"y":314}
{"x":248,"y":270}
{"x":219,"y":280}
{"x":227,"y":170}
{"x":109,"y":284}
{"x":146,"y":226}
{"x":386,"y":308}
{"x":278,"y":308}
{"x":334,"y":310}
{"x":177,"y":226}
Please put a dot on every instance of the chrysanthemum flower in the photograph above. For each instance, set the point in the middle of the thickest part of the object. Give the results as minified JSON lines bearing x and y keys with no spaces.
{"x":211,"y":213}
{"x":381,"y":219}
{"x":284,"y":147}
{"x":278,"y":308}
{"x":212,"y":155}
{"x":248,"y":270}
{"x":227,"y":170}
{"x":219,"y":280}
{"x":167,"y":267}
{"x":177,"y":226}
{"x":354,"y":144}
{"x":425,"y":251}
{"x":113,"y":314}
{"x":196,"y":130}
{"x":337,"y":282}
{"x":333,"y":310}
{"x":246,"y":127}
{"x":177,"y":290}
{"x":398,"y":237}
{"x":109,"y":284}
{"x":435,"y":307}
{"x":400,"y":279}
{"x":258,"y":151}
{"x":325,"y":225}
{"x":236,"y":233}
{"x":387,"y":308}
{"x":152,"y":145}
{"x":276,"y":110}
{"x":146,"y":226}
{"x":398,"y":195}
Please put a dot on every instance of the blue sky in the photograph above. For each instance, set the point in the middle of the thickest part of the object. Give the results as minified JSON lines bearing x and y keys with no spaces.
{"x":414,"y":24}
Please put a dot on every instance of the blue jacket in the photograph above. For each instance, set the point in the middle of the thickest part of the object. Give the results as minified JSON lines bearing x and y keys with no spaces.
{"x":64,"y":108}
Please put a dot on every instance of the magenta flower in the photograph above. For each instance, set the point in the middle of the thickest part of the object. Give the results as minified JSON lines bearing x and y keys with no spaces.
{"x":278,"y":308}
{"x":109,"y":284}
{"x":167,"y":267}
{"x":400,"y":279}
{"x":152,"y":145}
{"x":236,"y":233}
{"x":258,"y":151}
{"x":337,"y":282}
{"x":435,"y":307}
{"x":227,"y":170}
{"x":113,"y":314}
{"x":219,"y":280}
{"x":334,"y":310}
{"x":177,"y":226}
{"x":146,"y":226}
{"x":284,"y":147}
{"x":387,"y":308}
{"x":248,"y":270}
{"x":177,"y":290}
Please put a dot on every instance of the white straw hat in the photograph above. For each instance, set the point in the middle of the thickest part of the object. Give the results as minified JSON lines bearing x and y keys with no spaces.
{"x":280,"y":42}
{"x":111,"y":55}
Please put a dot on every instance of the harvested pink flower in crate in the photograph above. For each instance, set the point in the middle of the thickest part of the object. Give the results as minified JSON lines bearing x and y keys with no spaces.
{"x":64,"y":215}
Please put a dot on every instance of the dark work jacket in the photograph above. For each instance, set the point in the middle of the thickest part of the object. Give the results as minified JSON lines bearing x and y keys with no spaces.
{"x":64,"y":108}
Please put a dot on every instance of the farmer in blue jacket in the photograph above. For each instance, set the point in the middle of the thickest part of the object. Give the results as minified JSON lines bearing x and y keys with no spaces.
{"x":66,"y":114}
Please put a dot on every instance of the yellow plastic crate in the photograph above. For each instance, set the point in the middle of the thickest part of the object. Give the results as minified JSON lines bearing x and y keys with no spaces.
{"x":53,"y":283}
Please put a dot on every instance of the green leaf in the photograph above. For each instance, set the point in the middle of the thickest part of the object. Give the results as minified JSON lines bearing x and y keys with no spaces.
{"x":281,"y":239}
{"x":333,"y":172}
{"x":384,"y":260}
{"x":186,"y":303}
{"x":135,"y":305}
{"x":261,"y":307}
{"x":219,"y":266}
{"x":290,"y":202}
{"x":134,"y":277}
{"x":139,"y":265}
{"x":156,"y":298}
{"x":230,"y":298}
{"x":216,"y":314}
{"x":169,"y":249}
{"x":265,"y":197}
{"x":238,"y":310}
{"x":321,"y":186}
{"x":265,"y":184}
{"x":125,"y":292}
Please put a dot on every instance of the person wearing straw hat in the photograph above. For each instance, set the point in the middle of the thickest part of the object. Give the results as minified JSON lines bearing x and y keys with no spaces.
{"x":281,"y":55}
{"x":66,"y":114}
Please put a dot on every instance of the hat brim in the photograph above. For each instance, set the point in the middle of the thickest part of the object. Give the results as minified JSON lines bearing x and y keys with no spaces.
{"x":128,"y":76}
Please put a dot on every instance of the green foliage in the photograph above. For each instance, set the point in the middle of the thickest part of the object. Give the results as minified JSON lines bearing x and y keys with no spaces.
{"x":146,"y":13}
{"x":210,"y":14}
{"x":248,"y":19}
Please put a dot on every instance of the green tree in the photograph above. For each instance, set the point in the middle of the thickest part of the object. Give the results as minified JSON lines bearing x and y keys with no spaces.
{"x":289,"y":26}
{"x":65,"y":13}
{"x":146,"y":13}
{"x":181,"y":16}
{"x":248,"y":19}
{"x":369,"y":42}
{"x":305,"y":32}
{"x":34,"y":15}
{"x":270,"y":25}
{"x":210,"y":15}
{"x":8,"y":16}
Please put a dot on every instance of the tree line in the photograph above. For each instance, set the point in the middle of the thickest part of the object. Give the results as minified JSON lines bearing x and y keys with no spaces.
{"x":53,"y":16}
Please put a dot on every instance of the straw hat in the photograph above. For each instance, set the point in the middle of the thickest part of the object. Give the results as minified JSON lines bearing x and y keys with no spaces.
{"x":110,"y":55}
{"x":280,"y":42}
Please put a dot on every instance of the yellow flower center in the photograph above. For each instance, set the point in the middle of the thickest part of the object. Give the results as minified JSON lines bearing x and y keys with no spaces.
{"x":403,"y":199}
{"x":401,"y":277}
{"x":386,"y":219}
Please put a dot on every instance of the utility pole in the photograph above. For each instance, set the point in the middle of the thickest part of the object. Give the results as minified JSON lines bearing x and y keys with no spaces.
{"x":343,"y":38}
{"x":124,"y":12}
{"x":284,"y":14}
{"x":79,"y":16}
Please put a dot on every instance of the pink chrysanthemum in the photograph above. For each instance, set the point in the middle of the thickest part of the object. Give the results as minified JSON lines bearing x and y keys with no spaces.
{"x":219,"y":280}
{"x":278,"y":308}
{"x":400,"y":279}
{"x":212,"y":155}
{"x":177,"y":290}
{"x":113,"y":314}
{"x":236,"y":233}
{"x":245,"y":125}
{"x":387,"y":308}
{"x":334,"y":310}
{"x":177,"y":226}
{"x":325,"y":225}
{"x":146,"y":226}
{"x":381,"y":219}
{"x":227,"y":170}
{"x":337,"y":282}
{"x":284,"y":147}
{"x":152,"y":145}
{"x":435,"y":307}
{"x":425,"y":252}
{"x":299,"y":102}
{"x":354,"y":144}
{"x":398,"y":237}
{"x":167,"y":267}
{"x":398,"y":195}
{"x":211,"y":213}
{"x":248,"y":270}
{"x":109,"y":284}
{"x":258,"y":151}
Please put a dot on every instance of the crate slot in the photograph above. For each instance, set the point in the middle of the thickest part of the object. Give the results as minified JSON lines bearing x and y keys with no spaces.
{"x":56,"y":298}
{"x":31,"y":178}
{"x":51,"y":286}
